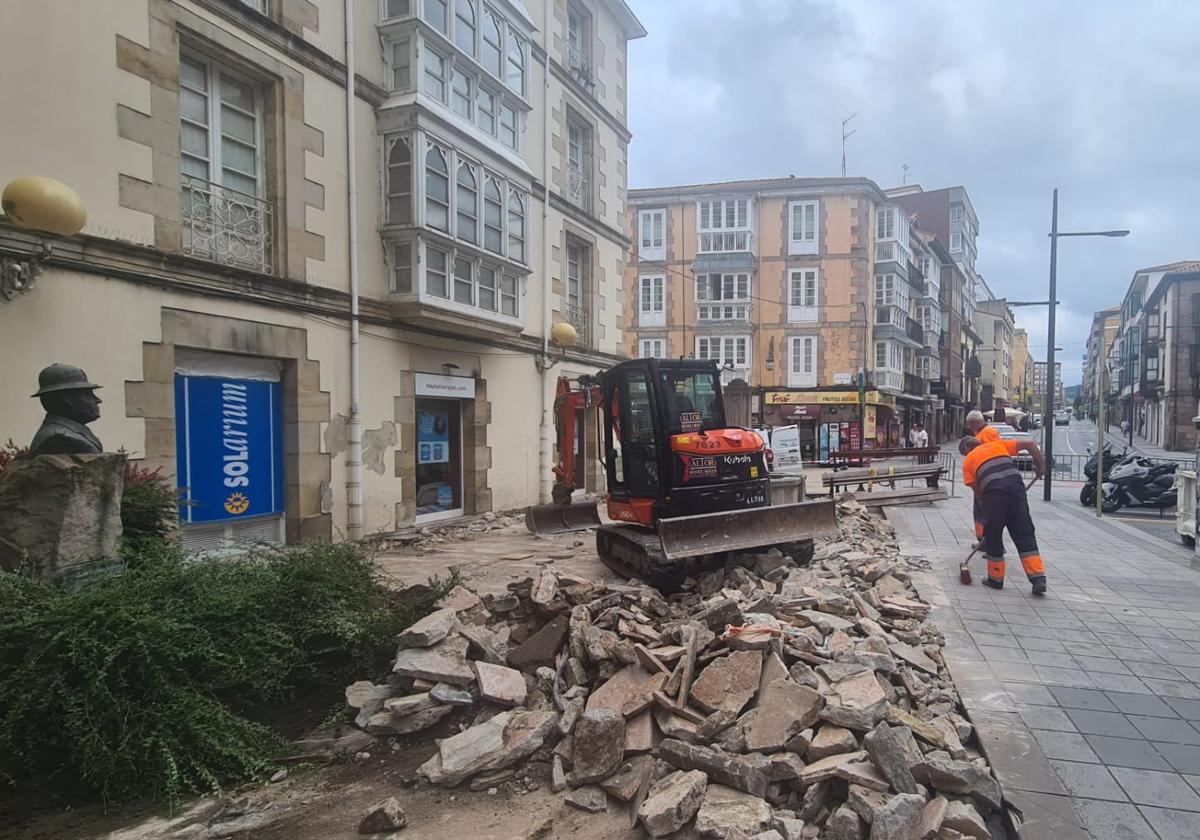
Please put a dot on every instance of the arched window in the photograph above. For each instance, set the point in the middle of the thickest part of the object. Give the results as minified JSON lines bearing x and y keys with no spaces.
{"x":437,"y":189}
{"x":516,"y":227}
{"x":516,"y":64}
{"x":467,"y":206}
{"x":490,"y":46}
{"x":493,"y":217}
{"x":464,"y":26}
{"x":399,"y":183}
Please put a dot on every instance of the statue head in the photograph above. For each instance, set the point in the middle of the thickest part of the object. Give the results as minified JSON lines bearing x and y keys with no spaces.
{"x":65,"y":390}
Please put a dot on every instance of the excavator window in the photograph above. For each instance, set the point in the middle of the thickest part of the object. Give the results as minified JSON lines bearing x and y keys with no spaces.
{"x":639,"y":452}
{"x":695,"y":401}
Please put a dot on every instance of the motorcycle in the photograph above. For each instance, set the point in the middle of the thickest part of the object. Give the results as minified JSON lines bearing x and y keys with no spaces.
{"x":1087,"y":494}
{"x":1139,"y":485}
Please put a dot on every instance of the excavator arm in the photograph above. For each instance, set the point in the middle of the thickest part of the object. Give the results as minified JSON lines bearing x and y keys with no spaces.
{"x":561,"y":514}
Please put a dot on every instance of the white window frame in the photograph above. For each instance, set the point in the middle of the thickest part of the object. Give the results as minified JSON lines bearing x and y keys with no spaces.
{"x":725,"y":225}
{"x":957,"y":213}
{"x":734,"y":350}
{"x":652,"y":300}
{"x":652,"y":234}
{"x":427,"y":73}
{"x":214,"y":160}
{"x":731,"y":301}
{"x":804,"y":225}
{"x":956,"y":243}
{"x":885,"y":224}
{"x":804,"y":294}
{"x":495,"y":292}
{"x":802,"y":361}
{"x":651,"y":348}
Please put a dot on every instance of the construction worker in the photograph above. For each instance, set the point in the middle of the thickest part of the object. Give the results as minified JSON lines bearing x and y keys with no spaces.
{"x":978,"y":428}
{"x":989,"y":470}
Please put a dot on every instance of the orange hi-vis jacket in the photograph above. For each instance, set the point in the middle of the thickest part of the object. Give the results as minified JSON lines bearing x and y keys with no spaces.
{"x":988,"y":462}
{"x":987,"y":434}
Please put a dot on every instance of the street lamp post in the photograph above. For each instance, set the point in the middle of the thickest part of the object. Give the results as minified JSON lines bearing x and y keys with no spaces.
{"x":1048,"y":410}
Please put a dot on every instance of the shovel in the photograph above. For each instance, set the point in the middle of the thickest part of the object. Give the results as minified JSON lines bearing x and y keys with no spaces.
{"x":964,"y":572}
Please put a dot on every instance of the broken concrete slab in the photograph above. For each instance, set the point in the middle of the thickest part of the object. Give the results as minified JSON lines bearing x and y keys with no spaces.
{"x":831,"y":740}
{"x":725,"y":809}
{"x":899,"y":819}
{"x":672,"y":802}
{"x":784,"y":709}
{"x":857,"y":702}
{"x":734,"y":771}
{"x":964,"y":778}
{"x":539,"y":649}
{"x":492,"y":745}
{"x":625,"y":782}
{"x":599,"y":745}
{"x":887,"y":752}
{"x":386,"y":723}
{"x":429,"y":630}
{"x":588,"y":798}
{"x":728,"y":682}
{"x":500,"y":684}
{"x":444,"y":662}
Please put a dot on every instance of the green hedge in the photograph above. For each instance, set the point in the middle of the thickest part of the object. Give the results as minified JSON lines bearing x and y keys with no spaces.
{"x":137,"y":685}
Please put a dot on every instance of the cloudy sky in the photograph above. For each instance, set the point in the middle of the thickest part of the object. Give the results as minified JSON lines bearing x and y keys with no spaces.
{"x":1009,"y":99}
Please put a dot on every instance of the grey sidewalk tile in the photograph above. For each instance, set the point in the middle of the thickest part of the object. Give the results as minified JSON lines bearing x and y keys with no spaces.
{"x":1082,"y":636}
{"x":1183,"y":757}
{"x":1141,"y":704}
{"x":1134,"y":654}
{"x":1088,"y":649}
{"x":1124,"y":752}
{"x":1050,"y":657}
{"x":1173,"y":825}
{"x":1089,"y":781}
{"x":1013,"y":752}
{"x":994,"y":640}
{"x":1002,"y":654}
{"x":1101,"y":665}
{"x":1015,"y":672}
{"x":1178,"y":657}
{"x":1066,"y":746}
{"x":1114,"y":821}
{"x":1102,"y":723}
{"x":1149,"y":787}
{"x":1155,"y":669}
{"x":1031,"y":694}
{"x":1046,"y":717}
{"x":1120,"y":682}
{"x":1046,"y":817}
{"x":1171,"y":688}
{"x":1082,"y":698}
{"x":1170,"y":730}
{"x":1190,"y":673}
{"x":1188,"y":708}
{"x":1063,"y":676}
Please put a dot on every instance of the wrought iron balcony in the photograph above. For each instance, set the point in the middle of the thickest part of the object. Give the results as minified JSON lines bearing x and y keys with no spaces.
{"x":577,"y":64}
{"x":580,"y":317}
{"x":226,"y":226}
{"x":579,"y":187}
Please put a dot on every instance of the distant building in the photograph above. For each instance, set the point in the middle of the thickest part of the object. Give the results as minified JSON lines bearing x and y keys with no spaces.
{"x":1101,"y":337}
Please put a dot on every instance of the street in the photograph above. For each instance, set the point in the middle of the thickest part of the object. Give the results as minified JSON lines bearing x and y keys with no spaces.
{"x":1077,"y":441}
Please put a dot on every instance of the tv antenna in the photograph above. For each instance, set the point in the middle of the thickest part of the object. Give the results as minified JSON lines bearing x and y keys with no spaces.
{"x":845,"y":136}
{"x":904,"y":167}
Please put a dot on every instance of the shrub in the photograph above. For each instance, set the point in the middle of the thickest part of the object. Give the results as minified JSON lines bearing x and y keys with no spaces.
{"x":149,"y":504}
{"x":141,"y":684}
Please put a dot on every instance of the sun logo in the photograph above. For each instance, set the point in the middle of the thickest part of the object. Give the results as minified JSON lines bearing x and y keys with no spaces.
{"x":237,"y":503}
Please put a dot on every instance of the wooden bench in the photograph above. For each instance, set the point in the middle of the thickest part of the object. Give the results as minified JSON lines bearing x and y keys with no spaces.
{"x":883,"y":475}
{"x":844,"y":458}
{"x":908,"y":496}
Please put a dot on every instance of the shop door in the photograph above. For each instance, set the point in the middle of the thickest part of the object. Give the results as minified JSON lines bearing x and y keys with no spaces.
{"x":439,"y":460}
{"x":229,"y":446}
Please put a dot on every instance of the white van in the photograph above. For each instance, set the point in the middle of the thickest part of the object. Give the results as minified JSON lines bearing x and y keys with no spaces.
{"x":785,"y":444}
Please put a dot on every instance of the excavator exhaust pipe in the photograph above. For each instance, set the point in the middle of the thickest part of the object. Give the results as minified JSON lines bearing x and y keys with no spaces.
{"x":559,"y":519}
{"x":738,"y":530}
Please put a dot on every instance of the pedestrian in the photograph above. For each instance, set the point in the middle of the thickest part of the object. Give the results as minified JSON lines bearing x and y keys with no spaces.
{"x":978,"y":427}
{"x":998,"y":415}
{"x":920,"y":436}
{"x":989,"y":470}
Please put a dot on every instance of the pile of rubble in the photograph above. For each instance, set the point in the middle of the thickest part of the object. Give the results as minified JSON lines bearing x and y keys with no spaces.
{"x":765,"y":700}
{"x":430,"y":535}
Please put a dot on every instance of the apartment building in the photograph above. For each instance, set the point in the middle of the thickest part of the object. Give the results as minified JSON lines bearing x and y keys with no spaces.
{"x":794,"y":286}
{"x":1157,"y":364}
{"x":1039,"y":388}
{"x":379,"y":263}
{"x":1101,"y":336}
{"x":1019,"y":386}
{"x":995,"y":326}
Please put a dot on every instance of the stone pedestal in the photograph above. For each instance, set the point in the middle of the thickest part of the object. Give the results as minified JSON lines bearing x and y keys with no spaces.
{"x":60,"y":515}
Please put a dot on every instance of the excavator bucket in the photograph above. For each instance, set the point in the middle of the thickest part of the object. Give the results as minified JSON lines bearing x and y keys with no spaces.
{"x":738,"y":530}
{"x":558,"y":519}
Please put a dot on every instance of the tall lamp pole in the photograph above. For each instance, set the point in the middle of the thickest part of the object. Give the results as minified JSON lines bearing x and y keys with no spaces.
{"x":1048,"y":410}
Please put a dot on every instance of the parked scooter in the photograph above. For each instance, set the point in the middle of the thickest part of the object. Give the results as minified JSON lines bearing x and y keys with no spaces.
{"x":1087,"y":494}
{"x":1139,"y":485}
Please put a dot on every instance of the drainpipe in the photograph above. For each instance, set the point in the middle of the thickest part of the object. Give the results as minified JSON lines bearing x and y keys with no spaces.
{"x":354,"y":463}
{"x":547,"y":427}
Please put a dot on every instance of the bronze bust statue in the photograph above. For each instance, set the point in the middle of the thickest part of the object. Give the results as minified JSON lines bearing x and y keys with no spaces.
{"x":71,"y":403}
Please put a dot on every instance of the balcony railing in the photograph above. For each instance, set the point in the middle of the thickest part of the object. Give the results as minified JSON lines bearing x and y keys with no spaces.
{"x":226,"y":226}
{"x":891,"y":250}
{"x":579,"y":187}
{"x":721,"y":311}
{"x":580,"y":317}
{"x":914,"y":384}
{"x":891,"y":379}
{"x":577,"y":63}
{"x":912,"y":328}
{"x":720,"y":242}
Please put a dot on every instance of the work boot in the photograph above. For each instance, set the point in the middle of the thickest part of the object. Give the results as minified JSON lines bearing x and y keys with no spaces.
{"x":1039,"y":586}
{"x":993,"y":583}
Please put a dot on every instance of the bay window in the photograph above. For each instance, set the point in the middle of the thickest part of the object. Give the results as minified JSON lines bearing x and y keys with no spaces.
{"x":437,"y":189}
{"x":726,"y":351}
{"x":464,"y":26}
{"x":724,"y":225}
{"x":399,"y":183}
{"x":515,"y":76}
{"x":508,"y":295}
{"x":436,"y":262}
{"x":723,"y":297}
{"x":435,"y":15}
{"x":460,"y":93}
{"x":466,"y":204}
{"x":487,"y":288}
{"x":516,"y":227}
{"x":490,"y":44}
{"x":434,"y":83}
{"x":464,"y":281}
{"x":493,"y":218}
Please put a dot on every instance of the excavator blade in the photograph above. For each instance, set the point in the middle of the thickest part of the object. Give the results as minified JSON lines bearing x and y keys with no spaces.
{"x":736,"y":530}
{"x":558,"y":519}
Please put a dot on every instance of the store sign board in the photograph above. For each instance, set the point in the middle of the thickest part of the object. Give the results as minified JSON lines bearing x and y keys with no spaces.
{"x":825,"y":398}
{"x":446,"y":387}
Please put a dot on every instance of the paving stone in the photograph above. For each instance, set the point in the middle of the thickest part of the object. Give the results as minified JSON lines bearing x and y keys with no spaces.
{"x":964,"y":818}
{"x":888,"y":753}
{"x":1173,"y":825}
{"x":444,"y":662}
{"x":492,"y":745}
{"x":1185,"y":708}
{"x":1171,"y":730}
{"x":728,"y":682}
{"x":1140,"y":704}
{"x":1038,"y":695}
{"x":1067,"y":746}
{"x":1184,"y":758}
{"x":451,"y":695}
{"x":1166,"y":790}
{"x":1082,"y":698}
{"x":429,"y":630}
{"x":1089,"y":781}
{"x":1124,"y":752}
{"x":1071,"y":677}
{"x":500,"y":684}
{"x":625,"y":782}
{"x":540,"y":648}
{"x":735,"y":771}
{"x":1046,"y":717}
{"x":1112,"y":724}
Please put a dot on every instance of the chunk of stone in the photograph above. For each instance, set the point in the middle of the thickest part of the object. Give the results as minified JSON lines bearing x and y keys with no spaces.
{"x":816,"y":800}
{"x":899,"y":819}
{"x":451,"y":695}
{"x":784,"y":766}
{"x":931,"y":817}
{"x":484,"y":781}
{"x":674,"y":726}
{"x":887,"y":751}
{"x":857,"y":702}
{"x":803,"y":673}
{"x":368,"y":699}
{"x":844,"y":824}
{"x":429,"y":630}
{"x":916,"y":657}
{"x":494,"y":744}
{"x":728,"y":682}
{"x":964,"y":778}
{"x":784,"y":709}
{"x":410,"y":704}
{"x":831,"y":740}
{"x":853,"y":767}
{"x":791,"y":829}
{"x":444,"y":662}
{"x":639,"y":733}
{"x":768,"y":835}
{"x":719,"y":614}
{"x":725,"y":809}
{"x":383,"y":817}
{"x":672,"y":801}
{"x":716,"y":723}
{"x":640,"y":699}
{"x":599,"y":745}
{"x":927,"y":732}
{"x":588,"y":798}
{"x":965,"y":819}
{"x":389,"y":723}
{"x":726,"y":769}
{"x":618,"y":689}
{"x":625,"y":782}
{"x":459,"y":599}
{"x":864,"y":801}
{"x":539,"y":649}
{"x":483,"y":644}
{"x":500,"y":684}
{"x":558,"y":776}
{"x":544,"y":588}
{"x":825,"y":622}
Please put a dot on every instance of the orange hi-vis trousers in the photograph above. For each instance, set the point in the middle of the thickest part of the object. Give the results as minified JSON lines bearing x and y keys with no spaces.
{"x":1004,"y":505}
